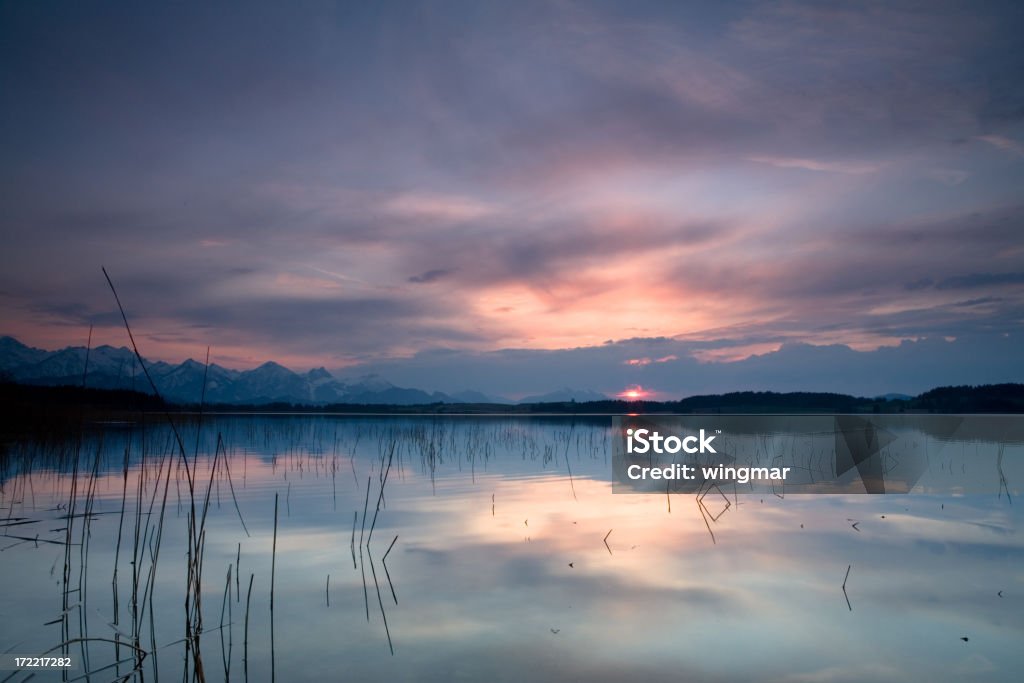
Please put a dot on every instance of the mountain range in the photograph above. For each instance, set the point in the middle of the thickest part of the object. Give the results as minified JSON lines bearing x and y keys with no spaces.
{"x":118,"y":368}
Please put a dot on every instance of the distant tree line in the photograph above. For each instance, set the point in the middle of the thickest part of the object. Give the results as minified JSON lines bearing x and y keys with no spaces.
{"x":19,"y":402}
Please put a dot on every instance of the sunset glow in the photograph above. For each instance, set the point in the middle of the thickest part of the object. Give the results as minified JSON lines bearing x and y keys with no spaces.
{"x":555,"y":340}
{"x":633,"y":394}
{"x":665,"y":195}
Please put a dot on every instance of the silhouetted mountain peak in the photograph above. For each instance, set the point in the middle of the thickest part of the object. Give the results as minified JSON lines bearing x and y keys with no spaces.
{"x":319,"y":374}
{"x":371,"y":382}
{"x":13,"y":353}
{"x":272,"y":367}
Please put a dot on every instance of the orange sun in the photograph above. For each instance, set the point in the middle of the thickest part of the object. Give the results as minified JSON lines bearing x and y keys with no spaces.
{"x":635,"y":393}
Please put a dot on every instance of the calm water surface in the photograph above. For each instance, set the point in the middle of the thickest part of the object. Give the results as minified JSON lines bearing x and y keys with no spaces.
{"x":513,"y":561}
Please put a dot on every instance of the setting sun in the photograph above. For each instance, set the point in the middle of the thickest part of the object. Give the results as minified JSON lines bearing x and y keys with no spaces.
{"x":633,"y":394}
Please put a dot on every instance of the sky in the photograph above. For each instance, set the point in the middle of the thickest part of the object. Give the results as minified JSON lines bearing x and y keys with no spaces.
{"x":512,"y":197}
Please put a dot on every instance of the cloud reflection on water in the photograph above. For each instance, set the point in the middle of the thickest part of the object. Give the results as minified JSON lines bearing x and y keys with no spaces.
{"x":528,"y":588}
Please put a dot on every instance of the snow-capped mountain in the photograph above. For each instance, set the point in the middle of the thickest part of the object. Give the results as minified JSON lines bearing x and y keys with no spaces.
{"x":470,"y":396}
{"x":14,"y":354}
{"x":118,"y":368}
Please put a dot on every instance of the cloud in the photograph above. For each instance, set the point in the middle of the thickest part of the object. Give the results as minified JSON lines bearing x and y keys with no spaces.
{"x":639,"y":362}
{"x":975,"y":357}
{"x":557,"y":173}
{"x":975,"y":280}
{"x":950,"y":177}
{"x":850,"y":167}
{"x":1004,"y":143}
{"x":429,"y":276}
{"x":435,"y":207}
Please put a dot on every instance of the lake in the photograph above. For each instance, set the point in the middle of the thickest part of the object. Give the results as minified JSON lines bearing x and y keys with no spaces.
{"x":483,"y":548}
